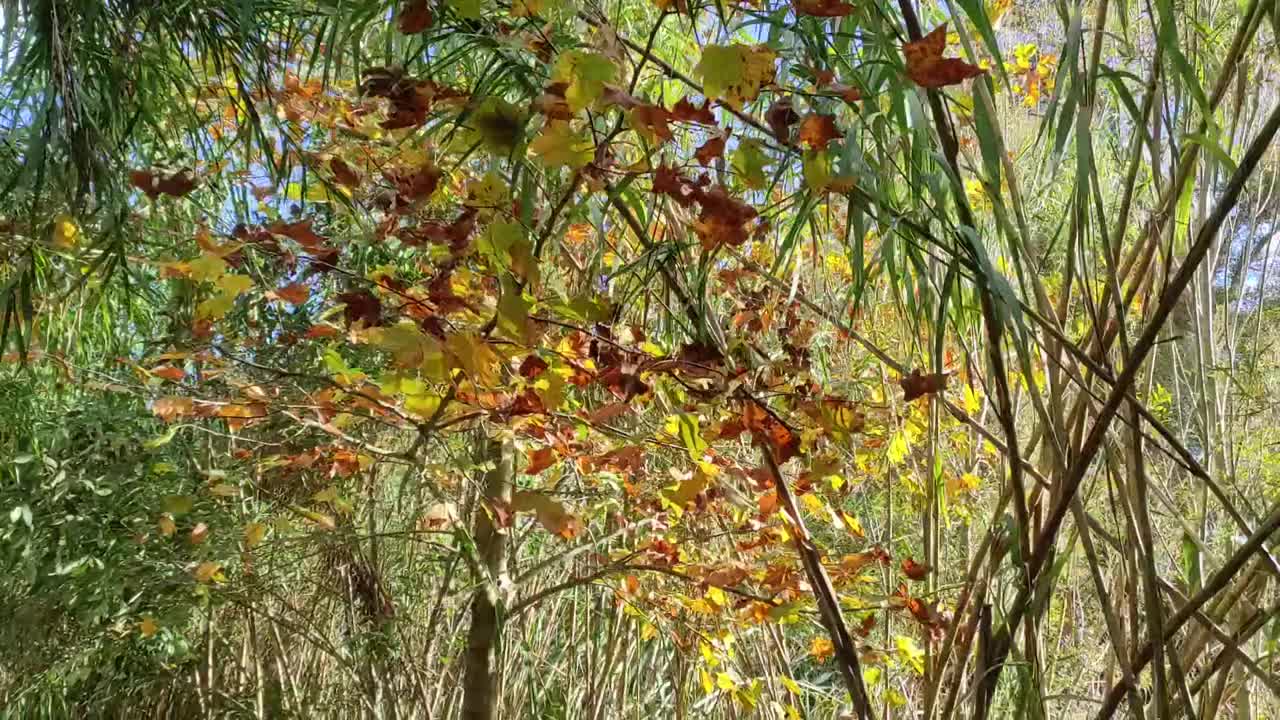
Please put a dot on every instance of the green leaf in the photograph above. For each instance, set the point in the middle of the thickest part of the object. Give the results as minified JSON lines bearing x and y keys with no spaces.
{"x":163,"y":439}
{"x":585,"y":73}
{"x":1191,"y":563}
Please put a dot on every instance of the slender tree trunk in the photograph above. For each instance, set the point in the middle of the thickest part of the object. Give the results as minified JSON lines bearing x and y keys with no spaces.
{"x":479,"y":699}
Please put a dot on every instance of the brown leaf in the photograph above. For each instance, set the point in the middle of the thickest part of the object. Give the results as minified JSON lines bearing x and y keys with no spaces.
{"x":532,"y":367}
{"x":725,"y":577}
{"x":602,"y":415}
{"x":768,"y":503}
{"x":685,"y":111}
{"x":917,"y":385}
{"x":415,"y":16}
{"x":927,"y":68}
{"x":780,"y":117}
{"x":818,"y":130}
{"x":344,"y":174}
{"x":628,"y":459}
{"x":300,"y":232}
{"x":622,"y":382}
{"x":822,"y":8}
{"x":710,"y":150}
{"x":361,"y":305}
{"x":653,"y":119}
{"x":914,"y":570}
{"x":155,"y":183}
{"x":767,"y":429}
{"x":868,"y":622}
{"x":723,"y":219}
{"x":415,"y":184}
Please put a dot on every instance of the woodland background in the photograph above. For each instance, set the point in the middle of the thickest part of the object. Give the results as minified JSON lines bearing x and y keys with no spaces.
{"x":639,"y":358}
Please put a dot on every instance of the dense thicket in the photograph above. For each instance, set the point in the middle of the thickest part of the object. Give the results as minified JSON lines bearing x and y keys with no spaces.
{"x":781,"y":359}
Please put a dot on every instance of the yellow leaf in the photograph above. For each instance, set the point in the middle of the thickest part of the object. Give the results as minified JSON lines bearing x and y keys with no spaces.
{"x":561,"y":146}
{"x":812,"y":503}
{"x":716,"y":596}
{"x":648,"y":632}
{"x":472,"y":355}
{"x":704,"y":677}
{"x":724,"y":681}
{"x":207,"y":268}
{"x":408,"y":346}
{"x":254,"y":533}
{"x":147,"y":627}
{"x":817,"y":170}
{"x":735,"y":73}
{"x":424,"y":404}
{"x":821,"y":648}
{"x":66,"y":234}
{"x":898,"y":448}
{"x":910,"y":653}
{"x":972,"y":401}
{"x":177,"y":504}
{"x":490,"y":191}
{"x":234,"y":284}
{"x":790,"y":685}
{"x":499,"y":124}
{"x":585,"y":73}
{"x":852,"y":524}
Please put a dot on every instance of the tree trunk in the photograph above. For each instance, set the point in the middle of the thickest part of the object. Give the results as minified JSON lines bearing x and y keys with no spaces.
{"x":479,"y":699}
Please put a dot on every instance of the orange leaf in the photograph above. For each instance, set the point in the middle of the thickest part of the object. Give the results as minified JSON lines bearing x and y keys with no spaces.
{"x":552,"y":515}
{"x":821,"y":649}
{"x":168,"y":408}
{"x":768,"y":503}
{"x":818,"y":130}
{"x":848,"y":93}
{"x":540,"y":460}
{"x":199,"y":533}
{"x":295,"y":294}
{"x":168,"y":372}
{"x":927,"y":68}
{"x":852,"y":564}
{"x":321,"y":331}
